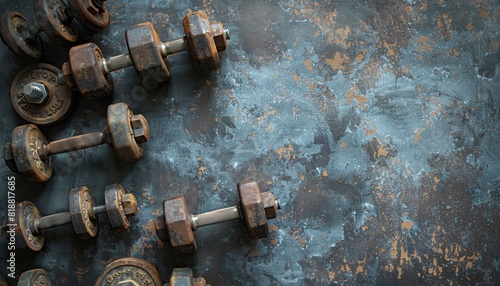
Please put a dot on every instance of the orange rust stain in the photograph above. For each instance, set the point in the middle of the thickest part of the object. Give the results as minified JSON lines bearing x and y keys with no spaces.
{"x":338,"y":61}
{"x":308,"y":65}
{"x":343,"y":145}
{"x":418,"y":135}
{"x":150,"y":227}
{"x":285,"y":152}
{"x":274,"y":242}
{"x":296,"y":77}
{"x":406,"y":225}
{"x":360,"y":57}
{"x":325,"y":173}
{"x":352,"y":94}
{"x":331,"y":275}
{"x":201,"y":170}
{"x":381,"y":151}
{"x":273,"y":228}
{"x":436,"y":180}
{"x":484,"y":14}
{"x":302,"y":177}
{"x":423,"y":44}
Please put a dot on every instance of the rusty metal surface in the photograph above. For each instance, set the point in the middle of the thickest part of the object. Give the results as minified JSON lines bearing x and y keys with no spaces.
{"x":91,"y":16}
{"x":201,"y":41}
{"x":17,"y":36}
{"x":35,"y":277}
{"x":375,"y":122}
{"x":81,"y":204}
{"x":132,"y":270}
{"x":52,"y":18}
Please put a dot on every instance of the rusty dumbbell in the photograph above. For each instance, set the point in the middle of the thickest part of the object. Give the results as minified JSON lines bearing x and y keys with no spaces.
{"x":33,"y":277}
{"x":177,"y":225}
{"x":89,"y":72}
{"x":29,"y":153}
{"x":56,"y":19}
{"x":29,"y":226}
{"x":134,"y":272}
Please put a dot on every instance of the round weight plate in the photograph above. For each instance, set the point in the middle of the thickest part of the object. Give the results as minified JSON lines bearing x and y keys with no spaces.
{"x":34,"y":277}
{"x":26,"y":139}
{"x":122,"y":135}
{"x":86,"y":66}
{"x":26,"y":213}
{"x":114,"y":208}
{"x":201,"y":42}
{"x":133,"y":270}
{"x":94,"y":21}
{"x":53,"y":110}
{"x":81,"y":209}
{"x":17,"y":36}
{"x":143,"y":44}
{"x":49,"y":14}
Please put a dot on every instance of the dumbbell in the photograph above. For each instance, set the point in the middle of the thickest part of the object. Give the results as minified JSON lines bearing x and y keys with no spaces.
{"x":55,"y":18}
{"x":134,"y":272}
{"x":34,"y":277}
{"x":89,"y":72}
{"x":177,"y":226}
{"x":29,"y":152}
{"x":29,"y":226}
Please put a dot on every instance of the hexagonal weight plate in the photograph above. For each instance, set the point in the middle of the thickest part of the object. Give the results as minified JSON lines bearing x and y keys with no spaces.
{"x":144,"y":48}
{"x":17,"y":36}
{"x":114,"y":208}
{"x":180,"y":235}
{"x":26,"y":214}
{"x":252,"y":206}
{"x":91,"y":17}
{"x":122,"y":135}
{"x":55,"y":109}
{"x":86,"y":66}
{"x":34,"y":277}
{"x":133,"y":270}
{"x":48,"y":15}
{"x":81,"y":209}
{"x":26,"y":140}
{"x":201,"y":42}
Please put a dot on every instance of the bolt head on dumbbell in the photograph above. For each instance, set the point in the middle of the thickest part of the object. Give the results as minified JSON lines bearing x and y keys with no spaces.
{"x":180,"y":234}
{"x":119,"y":206}
{"x":34,"y":277}
{"x":127,"y":132}
{"x":16,"y":34}
{"x":252,"y":207}
{"x":185,"y":277}
{"x":39,"y":96}
{"x":129,"y":271}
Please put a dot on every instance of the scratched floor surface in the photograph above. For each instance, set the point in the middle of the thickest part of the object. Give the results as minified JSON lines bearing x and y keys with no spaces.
{"x":376,"y":123}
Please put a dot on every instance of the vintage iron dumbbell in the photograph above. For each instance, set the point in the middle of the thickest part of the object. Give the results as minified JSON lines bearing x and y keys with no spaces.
{"x":56,"y":19}
{"x":134,"y":271}
{"x":177,"y":226}
{"x":89,"y":72}
{"x":29,"y":152}
{"x":33,"y":277}
{"x":29,"y":226}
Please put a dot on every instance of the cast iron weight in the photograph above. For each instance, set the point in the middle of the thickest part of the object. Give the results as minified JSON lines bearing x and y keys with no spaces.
{"x":177,"y":226}
{"x":89,"y":72}
{"x":56,"y":19}
{"x":134,"y":271}
{"x":34,"y":277}
{"x":29,"y":152}
{"x":30,"y":226}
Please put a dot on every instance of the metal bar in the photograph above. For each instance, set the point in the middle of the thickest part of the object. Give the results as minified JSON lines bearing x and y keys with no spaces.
{"x":213,"y":217}
{"x":73,"y":143}
{"x":117,"y":62}
{"x":53,"y":220}
{"x":172,"y":47}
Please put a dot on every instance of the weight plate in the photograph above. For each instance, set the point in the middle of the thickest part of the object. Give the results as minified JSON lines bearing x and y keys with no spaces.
{"x":26,"y":214}
{"x":201,"y":42}
{"x":81,"y":209}
{"x":114,"y":208}
{"x":86,"y":66}
{"x":252,"y":206}
{"x":50,"y":16}
{"x":90,"y":16}
{"x":17,"y":36}
{"x":53,"y":110}
{"x":26,"y":139}
{"x":122,"y":135}
{"x":133,"y":270}
{"x":34,"y":277}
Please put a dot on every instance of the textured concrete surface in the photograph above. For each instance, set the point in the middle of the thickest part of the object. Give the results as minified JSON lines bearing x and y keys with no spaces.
{"x":375,"y":122}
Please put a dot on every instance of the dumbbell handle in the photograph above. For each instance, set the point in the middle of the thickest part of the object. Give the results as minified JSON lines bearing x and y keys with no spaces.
{"x":72,"y":143}
{"x":124,"y":60}
{"x":59,"y":219}
{"x":213,"y":217}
